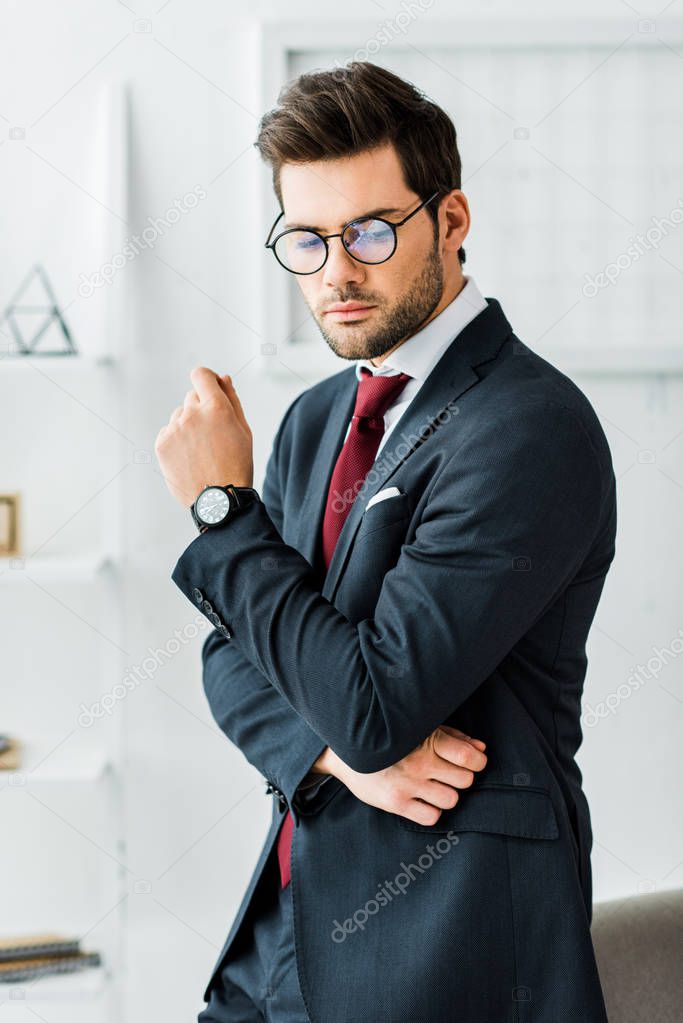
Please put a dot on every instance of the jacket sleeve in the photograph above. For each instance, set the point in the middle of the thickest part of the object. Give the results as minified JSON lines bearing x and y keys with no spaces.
{"x":507,"y":524}
{"x":271,"y":734}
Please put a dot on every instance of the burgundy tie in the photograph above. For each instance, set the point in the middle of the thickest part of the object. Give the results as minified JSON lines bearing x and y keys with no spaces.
{"x":375,"y":395}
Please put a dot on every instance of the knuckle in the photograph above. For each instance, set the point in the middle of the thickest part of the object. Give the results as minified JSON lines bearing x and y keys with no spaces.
{"x":466,"y":755}
{"x":396,"y":796}
{"x":404,"y":808}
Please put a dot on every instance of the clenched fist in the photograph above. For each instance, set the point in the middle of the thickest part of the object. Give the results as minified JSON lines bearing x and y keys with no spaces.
{"x":207,"y":440}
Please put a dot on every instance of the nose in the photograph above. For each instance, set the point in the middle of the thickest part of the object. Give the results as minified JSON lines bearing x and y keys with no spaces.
{"x":341,"y":269}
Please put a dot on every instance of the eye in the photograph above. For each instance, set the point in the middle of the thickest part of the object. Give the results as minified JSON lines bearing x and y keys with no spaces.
{"x":376,"y":230}
{"x":371,"y":240}
{"x":305,"y":242}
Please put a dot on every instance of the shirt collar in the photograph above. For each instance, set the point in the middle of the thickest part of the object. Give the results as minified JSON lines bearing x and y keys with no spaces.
{"x":420,"y":353}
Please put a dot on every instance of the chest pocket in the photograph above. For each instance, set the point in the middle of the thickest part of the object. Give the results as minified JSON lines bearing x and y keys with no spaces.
{"x":375,"y":550}
{"x":390,"y":511}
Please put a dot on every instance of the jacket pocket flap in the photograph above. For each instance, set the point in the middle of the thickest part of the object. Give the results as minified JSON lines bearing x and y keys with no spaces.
{"x":499,"y":809}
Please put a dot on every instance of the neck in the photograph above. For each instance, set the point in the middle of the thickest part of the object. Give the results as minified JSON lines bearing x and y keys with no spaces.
{"x":452,"y":288}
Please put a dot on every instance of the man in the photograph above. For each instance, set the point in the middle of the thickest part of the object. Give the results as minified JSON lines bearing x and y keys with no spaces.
{"x":416,"y":585}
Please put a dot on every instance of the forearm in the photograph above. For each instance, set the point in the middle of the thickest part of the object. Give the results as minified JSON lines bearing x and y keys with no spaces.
{"x":326,"y":766}
{"x":385,"y":683}
{"x":449,"y":611}
{"x":257,"y":719}
{"x":327,"y":763}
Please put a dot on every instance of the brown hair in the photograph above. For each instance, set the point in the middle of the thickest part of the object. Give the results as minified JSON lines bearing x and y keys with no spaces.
{"x":327,"y":114}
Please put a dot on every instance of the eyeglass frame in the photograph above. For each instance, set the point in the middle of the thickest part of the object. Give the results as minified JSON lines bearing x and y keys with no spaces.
{"x":340,"y":234}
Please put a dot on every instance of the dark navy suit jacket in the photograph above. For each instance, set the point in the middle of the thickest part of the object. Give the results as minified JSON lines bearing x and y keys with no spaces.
{"x":466,"y":599}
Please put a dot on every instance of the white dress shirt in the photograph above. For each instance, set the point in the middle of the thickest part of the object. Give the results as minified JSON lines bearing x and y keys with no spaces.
{"x":420,"y":353}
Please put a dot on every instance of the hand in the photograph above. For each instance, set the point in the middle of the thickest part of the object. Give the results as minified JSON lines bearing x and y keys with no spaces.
{"x":423,"y":784}
{"x":207,"y":439}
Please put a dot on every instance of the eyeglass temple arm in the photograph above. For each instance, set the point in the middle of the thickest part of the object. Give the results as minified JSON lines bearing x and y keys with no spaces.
{"x":416,"y":210}
{"x":270,"y":233}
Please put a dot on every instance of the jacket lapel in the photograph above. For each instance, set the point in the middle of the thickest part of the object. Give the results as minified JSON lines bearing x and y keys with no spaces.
{"x":479,"y":342}
{"x":310,"y":519}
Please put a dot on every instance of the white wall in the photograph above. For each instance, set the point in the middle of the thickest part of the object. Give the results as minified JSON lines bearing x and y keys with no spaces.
{"x":195,"y":813}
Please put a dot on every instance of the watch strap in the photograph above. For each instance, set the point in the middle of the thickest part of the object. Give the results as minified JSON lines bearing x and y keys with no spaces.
{"x":245,"y":495}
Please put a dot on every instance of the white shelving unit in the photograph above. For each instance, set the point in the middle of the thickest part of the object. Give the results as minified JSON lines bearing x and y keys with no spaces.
{"x":52,"y":362}
{"x":67,"y":762}
{"x":85,"y":568}
{"x":63,"y":857}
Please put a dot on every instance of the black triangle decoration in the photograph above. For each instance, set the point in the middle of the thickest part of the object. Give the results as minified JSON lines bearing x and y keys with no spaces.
{"x":30,"y":314}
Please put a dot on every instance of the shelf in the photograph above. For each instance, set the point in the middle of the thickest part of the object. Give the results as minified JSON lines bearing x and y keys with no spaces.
{"x":52,"y":361}
{"x":55,"y":763}
{"x":87,"y":985}
{"x":65,"y":569}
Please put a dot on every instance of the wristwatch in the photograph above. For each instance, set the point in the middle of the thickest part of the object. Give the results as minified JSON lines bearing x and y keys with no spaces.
{"x":215,"y":505}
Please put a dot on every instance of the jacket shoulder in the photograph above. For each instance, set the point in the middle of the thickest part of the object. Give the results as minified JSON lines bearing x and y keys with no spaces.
{"x":523,"y":383}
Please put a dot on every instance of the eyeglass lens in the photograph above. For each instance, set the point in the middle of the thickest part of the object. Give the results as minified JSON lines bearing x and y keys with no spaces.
{"x":370,"y":241}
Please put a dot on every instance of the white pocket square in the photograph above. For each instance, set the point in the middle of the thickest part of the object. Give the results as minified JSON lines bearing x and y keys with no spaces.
{"x":382,"y":495}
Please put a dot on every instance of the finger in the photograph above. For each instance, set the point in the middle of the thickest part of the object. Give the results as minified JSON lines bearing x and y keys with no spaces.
{"x":191,"y":399}
{"x":459,"y":751}
{"x":221,"y":378}
{"x":205,"y":383}
{"x":421,"y":813}
{"x":228,"y":388}
{"x":450,"y":774}
{"x":461,"y":735}
{"x":176,"y":413}
{"x":436,"y":794}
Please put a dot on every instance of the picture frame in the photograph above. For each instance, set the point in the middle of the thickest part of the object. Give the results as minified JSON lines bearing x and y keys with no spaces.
{"x":9,"y":525}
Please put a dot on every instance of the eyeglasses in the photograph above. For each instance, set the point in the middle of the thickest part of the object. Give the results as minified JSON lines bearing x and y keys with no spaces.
{"x":369,"y":240}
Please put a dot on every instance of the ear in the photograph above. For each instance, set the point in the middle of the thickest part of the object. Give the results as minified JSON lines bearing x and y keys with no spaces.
{"x":454,"y":220}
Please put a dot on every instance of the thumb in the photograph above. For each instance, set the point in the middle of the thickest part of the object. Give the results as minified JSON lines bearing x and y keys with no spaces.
{"x":477,"y":743}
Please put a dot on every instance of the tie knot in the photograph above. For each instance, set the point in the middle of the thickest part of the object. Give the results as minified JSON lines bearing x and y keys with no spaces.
{"x":376,"y":393}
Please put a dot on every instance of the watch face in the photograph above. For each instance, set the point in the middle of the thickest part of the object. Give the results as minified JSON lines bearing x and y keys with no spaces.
{"x":212,"y":505}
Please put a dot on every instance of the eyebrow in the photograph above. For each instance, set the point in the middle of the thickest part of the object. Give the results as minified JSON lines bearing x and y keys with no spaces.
{"x":361,"y":216}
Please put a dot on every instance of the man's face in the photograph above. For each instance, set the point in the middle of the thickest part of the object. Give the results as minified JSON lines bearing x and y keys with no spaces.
{"x":387,"y":302}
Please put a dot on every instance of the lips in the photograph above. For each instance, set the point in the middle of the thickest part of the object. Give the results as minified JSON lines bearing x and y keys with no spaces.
{"x":348,"y":309}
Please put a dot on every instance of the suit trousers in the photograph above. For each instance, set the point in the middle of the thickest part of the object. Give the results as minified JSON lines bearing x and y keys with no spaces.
{"x":258,"y":981}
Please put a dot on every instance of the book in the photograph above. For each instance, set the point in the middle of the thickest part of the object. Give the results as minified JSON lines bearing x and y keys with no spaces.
{"x":32,"y":946}
{"x":31,"y":969}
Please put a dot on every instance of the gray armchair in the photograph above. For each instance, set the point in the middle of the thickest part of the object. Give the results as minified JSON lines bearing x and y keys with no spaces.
{"x":639,"y":948}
